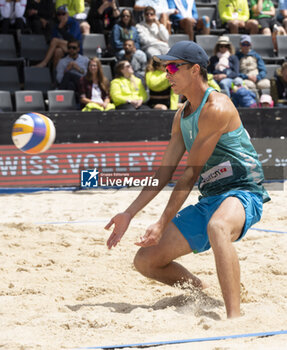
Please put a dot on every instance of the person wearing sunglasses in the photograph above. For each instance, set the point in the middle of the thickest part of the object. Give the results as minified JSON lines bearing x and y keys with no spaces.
{"x":153,"y":35}
{"x":124,"y":30}
{"x":224,"y":64}
{"x":161,"y":95}
{"x":71,"y":67}
{"x":76,"y":10}
{"x":65,"y":28}
{"x":127,"y":91}
{"x":225,"y":164}
{"x":251,"y":66}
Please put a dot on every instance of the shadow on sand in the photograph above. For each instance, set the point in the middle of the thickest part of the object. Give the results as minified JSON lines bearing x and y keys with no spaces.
{"x":197,"y":303}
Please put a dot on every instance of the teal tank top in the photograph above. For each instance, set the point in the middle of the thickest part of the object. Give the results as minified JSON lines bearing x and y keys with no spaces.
{"x":234,"y":163}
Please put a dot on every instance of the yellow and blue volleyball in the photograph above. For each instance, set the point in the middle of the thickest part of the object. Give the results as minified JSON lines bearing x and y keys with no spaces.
{"x":33,"y":133}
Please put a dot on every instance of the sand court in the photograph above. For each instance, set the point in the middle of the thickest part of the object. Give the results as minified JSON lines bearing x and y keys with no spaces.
{"x":61,"y":288}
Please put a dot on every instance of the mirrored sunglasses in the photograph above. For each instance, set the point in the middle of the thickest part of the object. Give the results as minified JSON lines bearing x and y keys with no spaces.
{"x":172,"y":68}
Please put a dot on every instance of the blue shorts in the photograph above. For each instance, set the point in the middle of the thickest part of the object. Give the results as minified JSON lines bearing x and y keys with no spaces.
{"x":192,"y":221}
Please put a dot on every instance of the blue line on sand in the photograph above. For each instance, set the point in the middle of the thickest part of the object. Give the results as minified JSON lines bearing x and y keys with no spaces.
{"x":194,"y":340}
{"x":106,"y":220}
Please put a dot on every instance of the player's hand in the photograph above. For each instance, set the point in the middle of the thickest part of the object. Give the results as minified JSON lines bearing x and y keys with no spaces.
{"x":152,"y":236}
{"x":121,"y":223}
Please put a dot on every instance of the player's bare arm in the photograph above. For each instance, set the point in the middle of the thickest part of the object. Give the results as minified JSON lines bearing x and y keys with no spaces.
{"x":215,"y":120}
{"x":170,"y":160}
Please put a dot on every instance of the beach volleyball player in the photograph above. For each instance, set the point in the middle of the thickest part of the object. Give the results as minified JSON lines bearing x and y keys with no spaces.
{"x":230,"y":175}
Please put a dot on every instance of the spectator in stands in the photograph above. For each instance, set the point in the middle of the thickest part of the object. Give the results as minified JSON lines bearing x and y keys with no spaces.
{"x":122,"y":31}
{"x":137,"y":59}
{"x":266,"y":101}
{"x":161,"y":95}
{"x":103,"y":15}
{"x":39,"y":15}
{"x":279,"y":86}
{"x":153,"y":35}
{"x":76,"y":9}
{"x":242,"y":97}
{"x":187,"y":19}
{"x":212,"y":83}
{"x":282,"y":16}
{"x":224,"y":65}
{"x":263,"y":11}
{"x":161,"y":9}
{"x":251,"y":66}
{"x":66,"y":28}
{"x":234,"y":15}
{"x":93,"y":88}
{"x":12,"y":13}
{"x":127,"y":91}
{"x":72,"y":67}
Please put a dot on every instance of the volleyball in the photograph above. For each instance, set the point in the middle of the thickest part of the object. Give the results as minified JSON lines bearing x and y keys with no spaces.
{"x":33,"y":133}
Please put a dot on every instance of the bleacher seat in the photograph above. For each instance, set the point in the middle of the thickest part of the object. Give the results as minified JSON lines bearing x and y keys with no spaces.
{"x":107,"y":70}
{"x":36,"y":78}
{"x":33,"y":47}
{"x":263,"y":45}
{"x":59,"y":100}
{"x":9,"y":78}
{"x":90,"y":44}
{"x":282,"y":45}
{"x":270,"y":70}
{"x":5,"y":101}
{"x":207,"y":42}
{"x":29,"y":101}
{"x":174,"y":38}
{"x":7,"y":45}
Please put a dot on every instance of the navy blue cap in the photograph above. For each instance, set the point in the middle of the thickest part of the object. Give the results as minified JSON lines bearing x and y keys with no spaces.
{"x":185,"y":50}
{"x":62,"y":8}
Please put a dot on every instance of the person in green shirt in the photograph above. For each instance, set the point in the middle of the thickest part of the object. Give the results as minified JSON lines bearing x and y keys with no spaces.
{"x":263,"y":11}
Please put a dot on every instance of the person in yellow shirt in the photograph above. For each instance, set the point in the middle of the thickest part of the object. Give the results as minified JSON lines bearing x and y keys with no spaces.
{"x":235,"y":16}
{"x":161,"y":95}
{"x":126,"y":90}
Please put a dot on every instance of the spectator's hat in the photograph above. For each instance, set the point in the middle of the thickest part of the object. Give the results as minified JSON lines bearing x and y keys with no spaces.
{"x":245,"y":39}
{"x":62,"y":9}
{"x":223,"y":40}
{"x":185,"y":50}
{"x":238,"y":81}
{"x":266,"y":99}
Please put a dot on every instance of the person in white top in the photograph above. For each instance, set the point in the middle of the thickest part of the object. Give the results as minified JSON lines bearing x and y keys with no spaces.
{"x":12,"y":13}
{"x":153,"y":35}
{"x":161,"y":9}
